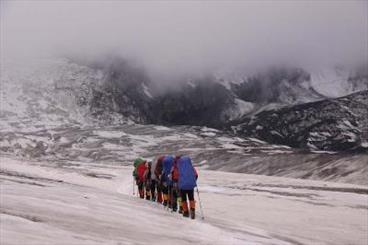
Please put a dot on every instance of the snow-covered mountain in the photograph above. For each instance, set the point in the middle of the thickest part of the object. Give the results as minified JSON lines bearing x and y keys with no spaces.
{"x":214,"y":100}
{"x":61,"y":92}
{"x":217,"y":102}
{"x":62,"y":111}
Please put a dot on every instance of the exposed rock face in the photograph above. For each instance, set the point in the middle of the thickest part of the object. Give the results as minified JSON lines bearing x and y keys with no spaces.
{"x":337,"y":124}
{"x":126,"y":90}
{"x":277,"y":85}
{"x":202,"y":101}
{"x":200,"y":104}
{"x":121,"y":91}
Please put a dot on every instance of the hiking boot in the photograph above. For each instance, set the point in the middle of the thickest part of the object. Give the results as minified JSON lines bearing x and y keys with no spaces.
{"x":175,"y":208}
{"x":192,"y":213}
{"x":186,"y":214}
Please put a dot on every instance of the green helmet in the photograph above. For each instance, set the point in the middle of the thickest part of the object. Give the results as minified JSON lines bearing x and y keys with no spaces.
{"x":137,"y":161}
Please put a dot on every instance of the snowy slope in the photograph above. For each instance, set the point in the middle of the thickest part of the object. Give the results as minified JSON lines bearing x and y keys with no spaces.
{"x":121,"y":144}
{"x":79,"y":203}
{"x":114,"y":92}
{"x":335,"y":124}
{"x":339,"y":81}
{"x":285,"y":86}
{"x":49,"y":93}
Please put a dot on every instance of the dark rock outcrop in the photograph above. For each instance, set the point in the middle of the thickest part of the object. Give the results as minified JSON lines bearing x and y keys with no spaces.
{"x":277,"y":85}
{"x":201,"y":104}
{"x":336,"y":124}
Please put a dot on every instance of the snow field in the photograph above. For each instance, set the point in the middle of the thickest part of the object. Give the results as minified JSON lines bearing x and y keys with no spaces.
{"x":84,"y":203}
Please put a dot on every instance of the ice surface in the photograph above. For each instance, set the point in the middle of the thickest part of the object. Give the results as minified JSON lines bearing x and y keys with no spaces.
{"x":110,"y":134}
{"x":163,"y":128}
{"x":210,"y":134}
{"x":84,"y":203}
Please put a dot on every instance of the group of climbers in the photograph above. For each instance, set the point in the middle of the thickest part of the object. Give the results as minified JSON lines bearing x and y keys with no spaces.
{"x":169,"y":180}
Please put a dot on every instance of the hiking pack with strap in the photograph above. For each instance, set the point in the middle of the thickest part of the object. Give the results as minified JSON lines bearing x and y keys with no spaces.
{"x":166,"y":168}
{"x":141,"y":168}
{"x":187,"y":175}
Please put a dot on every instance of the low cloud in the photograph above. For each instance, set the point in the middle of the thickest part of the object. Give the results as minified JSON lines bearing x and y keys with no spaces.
{"x":178,"y":38}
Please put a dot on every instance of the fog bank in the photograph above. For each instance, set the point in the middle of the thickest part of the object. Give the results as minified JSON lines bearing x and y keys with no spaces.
{"x":177,"y":38}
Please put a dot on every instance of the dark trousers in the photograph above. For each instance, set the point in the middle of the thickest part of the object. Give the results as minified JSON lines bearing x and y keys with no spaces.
{"x":173,"y":192}
{"x":165,"y":189}
{"x":147,"y":187}
{"x":153,"y":189}
{"x":165,"y":192}
{"x":159,"y":191}
{"x":185,"y":193}
{"x":190,"y":194}
{"x":140,"y":185}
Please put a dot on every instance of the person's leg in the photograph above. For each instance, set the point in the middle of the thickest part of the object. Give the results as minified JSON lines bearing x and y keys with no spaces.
{"x":165,"y":191}
{"x":140,"y":189}
{"x":148,"y":189}
{"x":170,"y":197}
{"x":159,"y":192}
{"x":180,"y":202}
{"x":153,"y":190}
{"x":174,"y":198}
{"x":184,"y":203}
{"x":191,"y":203}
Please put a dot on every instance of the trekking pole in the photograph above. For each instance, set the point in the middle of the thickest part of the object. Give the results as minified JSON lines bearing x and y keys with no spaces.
{"x":133,"y":187}
{"x":200,"y":204}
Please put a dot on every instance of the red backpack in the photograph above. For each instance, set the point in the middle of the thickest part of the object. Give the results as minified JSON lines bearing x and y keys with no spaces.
{"x":141,"y":168}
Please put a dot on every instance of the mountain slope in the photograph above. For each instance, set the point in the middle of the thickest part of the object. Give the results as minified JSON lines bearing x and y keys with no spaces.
{"x":54,"y":93}
{"x":47,"y":112}
{"x":337,"y":124}
{"x":116,"y":90}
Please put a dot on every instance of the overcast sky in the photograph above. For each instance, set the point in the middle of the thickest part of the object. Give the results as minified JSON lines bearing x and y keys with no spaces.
{"x":190,"y":36}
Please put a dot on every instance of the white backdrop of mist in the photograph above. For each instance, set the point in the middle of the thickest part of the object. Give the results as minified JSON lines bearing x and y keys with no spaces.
{"x":193,"y":37}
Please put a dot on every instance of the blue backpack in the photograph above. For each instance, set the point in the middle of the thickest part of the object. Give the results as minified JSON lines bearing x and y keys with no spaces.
{"x":187,"y":178}
{"x":166,"y":168}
